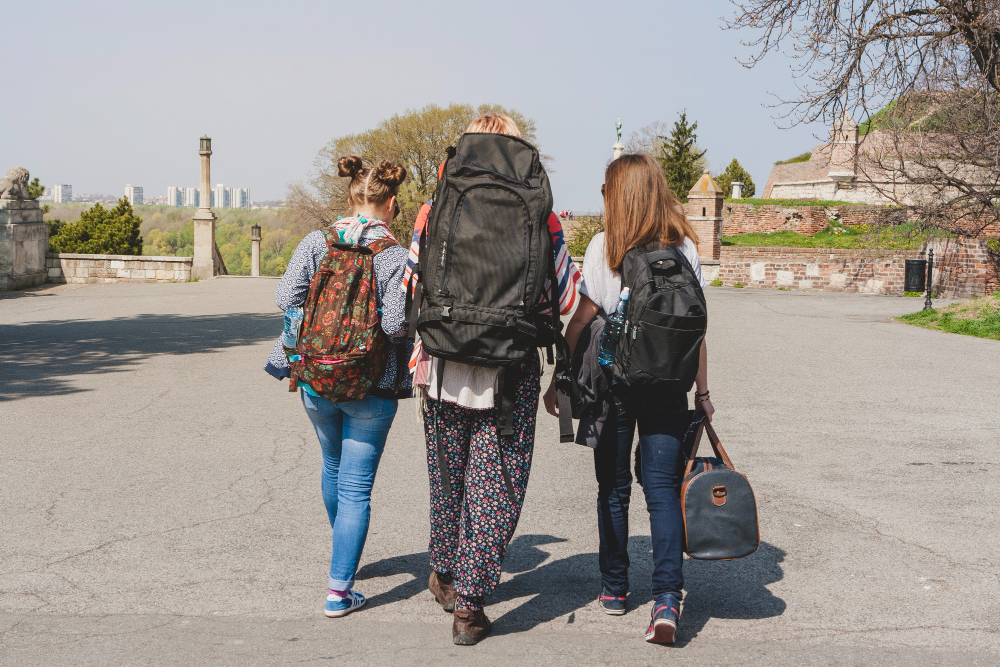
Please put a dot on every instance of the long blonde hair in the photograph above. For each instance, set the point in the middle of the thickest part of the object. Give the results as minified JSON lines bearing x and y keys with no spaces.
{"x":639,"y":208}
{"x":495,"y":123}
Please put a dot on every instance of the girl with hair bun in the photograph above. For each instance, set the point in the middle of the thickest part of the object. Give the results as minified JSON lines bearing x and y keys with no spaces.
{"x":352,"y":434}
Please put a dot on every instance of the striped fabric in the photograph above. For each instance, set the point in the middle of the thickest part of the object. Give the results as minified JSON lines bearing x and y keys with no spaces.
{"x":567,"y":275}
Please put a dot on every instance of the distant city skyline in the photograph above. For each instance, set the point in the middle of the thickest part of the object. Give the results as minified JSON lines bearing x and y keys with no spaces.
{"x":642,"y":61}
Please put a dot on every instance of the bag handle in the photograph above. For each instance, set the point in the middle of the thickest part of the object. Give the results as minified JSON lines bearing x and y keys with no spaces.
{"x":713,"y":439}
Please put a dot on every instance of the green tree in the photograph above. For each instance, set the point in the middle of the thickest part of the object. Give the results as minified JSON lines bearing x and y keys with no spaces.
{"x":416,"y":139}
{"x":101,"y":231}
{"x":35,"y":189}
{"x":680,"y":157}
{"x":735,"y":172}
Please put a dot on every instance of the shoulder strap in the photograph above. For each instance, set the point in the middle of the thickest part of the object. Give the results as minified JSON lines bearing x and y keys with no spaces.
{"x":378,"y":245}
{"x":563,"y":370}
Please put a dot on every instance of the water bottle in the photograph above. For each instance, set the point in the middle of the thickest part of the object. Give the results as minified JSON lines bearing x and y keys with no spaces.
{"x":613,"y":332}
{"x":293,"y":320}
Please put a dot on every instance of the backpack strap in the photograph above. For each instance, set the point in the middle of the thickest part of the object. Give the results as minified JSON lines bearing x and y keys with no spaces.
{"x":504,"y":399}
{"x":443,"y":470}
{"x":415,"y":295}
{"x":562,"y":372}
{"x":378,"y":245}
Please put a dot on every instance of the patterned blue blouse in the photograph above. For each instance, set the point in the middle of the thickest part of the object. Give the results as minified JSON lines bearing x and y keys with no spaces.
{"x":389,"y":267}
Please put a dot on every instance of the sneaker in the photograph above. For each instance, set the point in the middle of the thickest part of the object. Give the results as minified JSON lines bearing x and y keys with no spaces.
{"x":613,"y":605}
{"x":666,"y":615}
{"x":337,"y":606}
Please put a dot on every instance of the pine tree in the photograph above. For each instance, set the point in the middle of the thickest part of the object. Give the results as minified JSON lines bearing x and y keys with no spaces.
{"x":35,"y":189}
{"x":735,"y":172}
{"x":680,"y":158}
{"x":101,"y":231}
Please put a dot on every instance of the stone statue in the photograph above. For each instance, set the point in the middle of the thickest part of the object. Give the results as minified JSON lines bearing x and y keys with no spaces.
{"x":15,"y":184}
{"x":618,"y":126}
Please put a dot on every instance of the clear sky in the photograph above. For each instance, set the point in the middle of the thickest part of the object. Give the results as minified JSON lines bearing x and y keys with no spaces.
{"x":98,"y":94}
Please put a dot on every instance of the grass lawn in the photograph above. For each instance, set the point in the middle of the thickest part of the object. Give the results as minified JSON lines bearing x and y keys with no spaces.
{"x":977,"y":317}
{"x":791,"y":203}
{"x":883,"y":237}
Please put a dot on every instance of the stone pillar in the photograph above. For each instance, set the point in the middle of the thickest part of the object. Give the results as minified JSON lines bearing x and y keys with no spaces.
{"x":704,"y":212}
{"x":24,"y":236}
{"x":737,"y":190}
{"x":618,"y":149}
{"x":203,"y":266}
{"x":255,"y":250}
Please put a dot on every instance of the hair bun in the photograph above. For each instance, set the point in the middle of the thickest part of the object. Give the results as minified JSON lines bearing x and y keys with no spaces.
{"x":349,"y":166}
{"x":390,"y":174}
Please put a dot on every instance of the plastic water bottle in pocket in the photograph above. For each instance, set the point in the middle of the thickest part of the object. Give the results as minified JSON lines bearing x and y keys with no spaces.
{"x":293,"y":320}
{"x":613,"y":332}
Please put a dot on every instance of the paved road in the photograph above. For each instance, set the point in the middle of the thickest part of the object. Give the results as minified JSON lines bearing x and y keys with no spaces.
{"x":159,"y":498}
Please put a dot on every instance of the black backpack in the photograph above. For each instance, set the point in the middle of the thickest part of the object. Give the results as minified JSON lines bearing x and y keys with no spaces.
{"x":484,"y":258}
{"x":665,"y":321}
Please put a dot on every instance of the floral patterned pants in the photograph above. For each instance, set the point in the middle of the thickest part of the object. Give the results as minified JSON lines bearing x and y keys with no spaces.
{"x":471,"y":527}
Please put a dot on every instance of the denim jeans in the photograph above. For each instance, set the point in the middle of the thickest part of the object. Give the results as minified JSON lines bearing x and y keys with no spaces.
{"x":352,"y":436}
{"x":662,"y":424}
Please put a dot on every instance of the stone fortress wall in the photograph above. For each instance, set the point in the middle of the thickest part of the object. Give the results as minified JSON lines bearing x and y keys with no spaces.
{"x":77,"y":268}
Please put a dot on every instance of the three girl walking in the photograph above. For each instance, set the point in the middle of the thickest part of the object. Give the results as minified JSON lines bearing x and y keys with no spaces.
{"x":479,"y":421}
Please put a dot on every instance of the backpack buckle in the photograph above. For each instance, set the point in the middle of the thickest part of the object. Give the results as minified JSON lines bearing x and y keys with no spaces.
{"x":446,"y":312}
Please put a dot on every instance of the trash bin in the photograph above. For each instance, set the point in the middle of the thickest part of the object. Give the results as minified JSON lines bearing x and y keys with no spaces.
{"x":915,"y":279}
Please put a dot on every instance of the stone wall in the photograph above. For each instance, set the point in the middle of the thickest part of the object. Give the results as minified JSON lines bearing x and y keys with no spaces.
{"x":961,"y":268}
{"x":748,"y":218}
{"x":78,"y":268}
{"x":24,"y":239}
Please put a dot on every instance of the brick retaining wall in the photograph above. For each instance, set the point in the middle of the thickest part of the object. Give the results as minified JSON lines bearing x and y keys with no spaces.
{"x":808,"y":220}
{"x":961,"y":268}
{"x":79,"y":268}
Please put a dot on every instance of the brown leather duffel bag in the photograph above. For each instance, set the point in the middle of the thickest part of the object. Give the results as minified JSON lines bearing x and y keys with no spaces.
{"x":720,"y":512}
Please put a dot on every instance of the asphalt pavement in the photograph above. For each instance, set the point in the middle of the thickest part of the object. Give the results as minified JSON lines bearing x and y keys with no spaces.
{"x":160,"y":503}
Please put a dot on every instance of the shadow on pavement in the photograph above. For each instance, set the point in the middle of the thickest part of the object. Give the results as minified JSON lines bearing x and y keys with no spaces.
{"x":416,"y":565}
{"x":36,"y":358}
{"x":720,"y":589}
{"x":730,"y":589}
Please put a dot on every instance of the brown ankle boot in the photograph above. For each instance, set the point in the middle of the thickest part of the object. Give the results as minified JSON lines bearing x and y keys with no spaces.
{"x":444,"y":591}
{"x":469,"y":627}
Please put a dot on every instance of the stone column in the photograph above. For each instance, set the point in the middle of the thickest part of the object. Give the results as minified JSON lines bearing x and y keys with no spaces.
{"x":24,"y":236}
{"x":203,"y":266}
{"x":255,"y":250}
{"x":704,"y":212}
{"x":737,"y":190}
{"x":618,"y":149}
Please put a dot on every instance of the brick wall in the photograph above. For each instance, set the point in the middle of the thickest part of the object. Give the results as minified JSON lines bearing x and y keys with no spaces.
{"x":79,"y":268}
{"x":808,"y":220}
{"x":962,"y":268}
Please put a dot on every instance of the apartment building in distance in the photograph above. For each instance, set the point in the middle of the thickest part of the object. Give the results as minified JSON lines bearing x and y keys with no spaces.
{"x":220,"y":196}
{"x":239,"y":198}
{"x":62,"y":193}
{"x":175,"y":196}
{"x":192,"y":196}
{"x":133,"y":193}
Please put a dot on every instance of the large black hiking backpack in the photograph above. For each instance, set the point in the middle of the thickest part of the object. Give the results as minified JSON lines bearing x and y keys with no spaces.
{"x":665,"y":321}
{"x":485,"y":255}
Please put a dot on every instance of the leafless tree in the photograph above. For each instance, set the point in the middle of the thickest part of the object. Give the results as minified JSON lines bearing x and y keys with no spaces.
{"x":923,"y":76}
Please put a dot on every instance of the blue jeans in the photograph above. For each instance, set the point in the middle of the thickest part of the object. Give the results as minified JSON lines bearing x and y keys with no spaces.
{"x":662,"y":424}
{"x":352,"y":435}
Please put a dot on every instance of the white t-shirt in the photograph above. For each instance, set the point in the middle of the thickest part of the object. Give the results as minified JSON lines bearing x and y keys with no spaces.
{"x":603,"y":286}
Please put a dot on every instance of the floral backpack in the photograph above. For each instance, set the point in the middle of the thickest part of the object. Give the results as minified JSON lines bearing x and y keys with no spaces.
{"x":342,"y":349}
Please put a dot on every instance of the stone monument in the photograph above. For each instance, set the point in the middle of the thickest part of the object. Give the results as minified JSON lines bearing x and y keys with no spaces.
{"x":619,"y":147}
{"x":203,"y":266}
{"x":704,"y":212}
{"x":24,"y":236}
{"x":737,"y":190}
